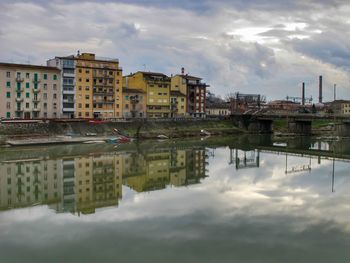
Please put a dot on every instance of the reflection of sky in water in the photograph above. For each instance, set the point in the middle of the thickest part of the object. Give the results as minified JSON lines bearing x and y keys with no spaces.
{"x":245,"y":215}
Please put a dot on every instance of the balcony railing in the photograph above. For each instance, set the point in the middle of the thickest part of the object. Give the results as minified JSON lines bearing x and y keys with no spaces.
{"x":19,"y":79}
{"x":36,"y":90}
{"x":36,"y":80}
{"x":36,"y":99}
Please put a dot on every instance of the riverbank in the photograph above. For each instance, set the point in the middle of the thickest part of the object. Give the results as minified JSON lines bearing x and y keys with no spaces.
{"x":145,"y":129}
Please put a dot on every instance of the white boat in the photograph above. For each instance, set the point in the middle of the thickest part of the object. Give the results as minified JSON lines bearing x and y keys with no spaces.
{"x":91,"y":142}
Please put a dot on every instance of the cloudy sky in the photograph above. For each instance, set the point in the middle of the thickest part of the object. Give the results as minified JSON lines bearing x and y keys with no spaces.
{"x":252,"y":46}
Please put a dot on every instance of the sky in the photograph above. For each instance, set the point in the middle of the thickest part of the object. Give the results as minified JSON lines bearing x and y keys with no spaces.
{"x":249,"y":46}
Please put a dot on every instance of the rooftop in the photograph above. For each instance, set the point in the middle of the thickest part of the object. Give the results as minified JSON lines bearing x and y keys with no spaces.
{"x":177,"y":93}
{"x":189,"y":77}
{"x":223,"y":105}
{"x":27,"y":66}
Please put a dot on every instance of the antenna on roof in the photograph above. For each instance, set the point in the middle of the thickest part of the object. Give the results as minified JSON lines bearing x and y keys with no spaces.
{"x":182,"y":70}
{"x":78,"y":52}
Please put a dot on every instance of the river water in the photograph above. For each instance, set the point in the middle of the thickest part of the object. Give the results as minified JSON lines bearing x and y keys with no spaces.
{"x":241,"y":199}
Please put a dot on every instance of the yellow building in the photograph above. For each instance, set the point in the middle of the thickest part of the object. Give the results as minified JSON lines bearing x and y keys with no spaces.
{"x":195,"y":91}
{"x":177,"y":103}
{"x":98,"y":182}
{"x":134,"y":103}
{"x":98,"y":87}
{"x":157,"y":88}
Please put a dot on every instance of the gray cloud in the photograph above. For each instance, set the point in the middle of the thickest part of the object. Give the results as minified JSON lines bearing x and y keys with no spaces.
{"x":251,"y":46}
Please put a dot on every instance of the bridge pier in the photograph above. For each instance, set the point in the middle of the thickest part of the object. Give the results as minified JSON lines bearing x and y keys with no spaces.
{"x":301,"y":127}
{"x":260,"y":126}
{"x":343,"y":129}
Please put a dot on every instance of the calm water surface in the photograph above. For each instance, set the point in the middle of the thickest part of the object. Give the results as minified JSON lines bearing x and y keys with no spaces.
{"x":244,"y":199}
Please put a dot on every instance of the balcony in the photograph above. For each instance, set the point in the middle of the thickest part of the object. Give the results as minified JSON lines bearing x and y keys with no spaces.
{"x":68,"y":101}
{"x":36,"y":99}
{"x":36,"y":90}
{"x":36,"y":109}
{"x":69,"y":110}
{"x":19,"y":89}
{"x":19,"y":79}
{"x":19,"y":109}
{"x":19,"y":99}
{"x":103,"y":101}
{"x":36,"y":80}
{"x":104,"y":91}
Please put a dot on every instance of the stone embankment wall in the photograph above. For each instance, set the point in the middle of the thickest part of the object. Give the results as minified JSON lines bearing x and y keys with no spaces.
{"x":143,"y":129}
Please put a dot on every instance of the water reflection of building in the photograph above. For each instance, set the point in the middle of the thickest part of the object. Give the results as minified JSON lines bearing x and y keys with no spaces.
{"x":31,"y":182}
{"x":82,"y":184}
{"x":91,"y":182}
{"x":156,"y":170}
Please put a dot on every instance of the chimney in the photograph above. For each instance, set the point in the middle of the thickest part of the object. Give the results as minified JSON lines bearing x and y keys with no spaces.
{"x":182,"y":71}
{"x":303,"y":94}
{"x":320,"y":90}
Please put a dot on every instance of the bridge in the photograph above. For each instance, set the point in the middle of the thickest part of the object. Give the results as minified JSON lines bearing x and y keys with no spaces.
{"x":297,"y":123}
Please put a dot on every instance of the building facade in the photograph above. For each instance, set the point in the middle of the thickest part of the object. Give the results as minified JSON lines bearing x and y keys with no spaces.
{"x":339,"y":107}
{"x":92,"y":87}
{"x":29,"y":91}
{"x":177,"y":104}
{"x":218,"y":109}
{"x":67,"y":67}
{"x":134,"y":103}
{"x":195,"y":91}
{"x":157,"y":88}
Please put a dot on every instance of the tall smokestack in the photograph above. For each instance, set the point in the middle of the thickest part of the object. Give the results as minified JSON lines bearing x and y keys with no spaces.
{"x":320,"y":90}
{"x":303,"y":94}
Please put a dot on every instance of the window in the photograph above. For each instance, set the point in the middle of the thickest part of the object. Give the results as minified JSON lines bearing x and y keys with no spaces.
{"x":27,"y":85}
{"x":45,"y":105}
{"x":80,"y":71}
{"x":27,"y":105}
{"x":27,"y":94}
{"x":8,"y":94}
{"x":79,"y":105}
{"x":87,"y":97}
{"x":87,"y":106}
{"x":87,"y":80}
{"x":8,"y":105}
{"x":54,"y":96}
{"x":45,"y":96}
{"x":8,"y":84}
{"x":126,"y":106}
{"x":117,"y":106}
{"x":8,"y":74}
{"x":127,"y":97}
{"x":54,"y":77}
{"x":87,"y":114}
{"x":54,"y":86}
{"x":87,"y":71}
{"x":55,"y":106}
{"x":8,"y":114}
{"x":45,"y":76}
{"x":87,"y":88}
{"x":80,"y":88}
